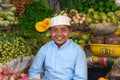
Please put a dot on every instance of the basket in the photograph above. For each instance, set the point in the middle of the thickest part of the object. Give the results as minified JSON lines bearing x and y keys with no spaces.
{"x":28,"y":2}
{"x":104,"y":29}
{"x":105,"y":50}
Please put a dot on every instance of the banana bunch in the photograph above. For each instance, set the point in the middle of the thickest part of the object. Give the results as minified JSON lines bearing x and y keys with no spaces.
{"x":12,"y":46}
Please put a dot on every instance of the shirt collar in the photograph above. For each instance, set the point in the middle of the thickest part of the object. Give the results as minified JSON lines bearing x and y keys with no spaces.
{"x":64,"y":45}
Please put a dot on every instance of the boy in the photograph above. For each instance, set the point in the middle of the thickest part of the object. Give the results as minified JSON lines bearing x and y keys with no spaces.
{"x":61,"y":58}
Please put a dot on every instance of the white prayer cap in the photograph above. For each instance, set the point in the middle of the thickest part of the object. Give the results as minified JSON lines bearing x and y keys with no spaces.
{"x":59,"y":20}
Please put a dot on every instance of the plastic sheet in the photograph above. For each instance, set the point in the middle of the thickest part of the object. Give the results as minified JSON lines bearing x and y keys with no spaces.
{"x":19,"y":64}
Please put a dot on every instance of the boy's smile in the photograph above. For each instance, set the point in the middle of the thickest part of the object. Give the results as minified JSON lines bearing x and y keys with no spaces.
{"x":60,"y":34}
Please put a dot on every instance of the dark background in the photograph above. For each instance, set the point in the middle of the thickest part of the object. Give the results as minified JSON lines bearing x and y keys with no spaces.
{"x":95,"y":73}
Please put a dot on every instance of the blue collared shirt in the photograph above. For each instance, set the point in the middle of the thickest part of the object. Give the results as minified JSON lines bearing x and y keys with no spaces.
{"x":65,"y":63}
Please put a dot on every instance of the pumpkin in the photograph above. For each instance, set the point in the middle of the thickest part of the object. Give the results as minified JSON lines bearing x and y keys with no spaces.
{"x":43,"y":25}
{"x":40,"y":26}
{"x":47,"y":22}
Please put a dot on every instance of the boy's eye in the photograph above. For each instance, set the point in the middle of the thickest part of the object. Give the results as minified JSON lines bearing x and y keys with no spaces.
{"x":54,"y":30}
{"x":64,"y":30}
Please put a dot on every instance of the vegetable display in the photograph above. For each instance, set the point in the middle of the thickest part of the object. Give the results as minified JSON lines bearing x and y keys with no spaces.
{"x":33,"y":13}
{"x":12,"y":46}
{"x":7,"y":17}
{"x":7,"y":74}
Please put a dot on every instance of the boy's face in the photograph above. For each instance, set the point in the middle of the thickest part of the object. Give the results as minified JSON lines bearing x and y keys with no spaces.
{"x":60,"y":34}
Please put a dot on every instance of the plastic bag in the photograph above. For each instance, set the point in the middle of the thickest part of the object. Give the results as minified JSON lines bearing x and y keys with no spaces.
{"x":117,"y":2}
{"x":19,"y":64}
{"x":114,"y":73}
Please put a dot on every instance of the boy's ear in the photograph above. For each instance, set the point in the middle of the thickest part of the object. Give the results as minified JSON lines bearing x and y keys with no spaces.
{"x":70,"y":30}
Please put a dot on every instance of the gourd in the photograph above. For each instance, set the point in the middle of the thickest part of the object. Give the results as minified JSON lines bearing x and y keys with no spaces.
{"x":7,"y":17}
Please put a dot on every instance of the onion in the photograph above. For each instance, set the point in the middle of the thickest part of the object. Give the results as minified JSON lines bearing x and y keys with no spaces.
{"x":15,"y":76}
{"x":1,"y":77}
{"x":5,"y":77}
{"x":5,"y":71}
{"x":10,"y":71}
{"x":25,"y":78}
{"x":22,"y":74}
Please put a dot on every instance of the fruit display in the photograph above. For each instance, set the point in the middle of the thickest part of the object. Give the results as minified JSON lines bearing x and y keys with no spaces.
{"x":99,"y":5}
{"x":80,"y":38}
{"x":13,"y":46}
{"x":7,"y":17}
{"x":83,"y":13}
{"x":95,"y":17}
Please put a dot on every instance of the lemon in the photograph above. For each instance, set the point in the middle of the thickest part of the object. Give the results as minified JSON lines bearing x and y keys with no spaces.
{"x":95,"y":59}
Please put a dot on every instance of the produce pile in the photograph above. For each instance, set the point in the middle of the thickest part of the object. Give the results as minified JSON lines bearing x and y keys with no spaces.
{"x":13,"y":46}
{"x":7,"y":17}
{"x":94,"y":17}
{"x":112,"y":39}
{"x":81,"y":17}
{"x":80,"y":38}
{"x":7,"y":74}
{"x":33,"y":13}
{"x":78,"y":20}
{"x":97,"y":5}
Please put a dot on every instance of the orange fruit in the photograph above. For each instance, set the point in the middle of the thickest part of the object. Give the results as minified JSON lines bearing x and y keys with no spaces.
{"x":95,"y":59}
{"x":101,"y":78}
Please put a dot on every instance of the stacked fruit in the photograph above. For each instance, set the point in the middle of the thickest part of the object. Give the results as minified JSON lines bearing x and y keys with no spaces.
{"x":7,"y":17}
{"x":99,"y":5}
{"x":80,"y":38}
{"x":94,"y":17}
{"x":12,"y":46}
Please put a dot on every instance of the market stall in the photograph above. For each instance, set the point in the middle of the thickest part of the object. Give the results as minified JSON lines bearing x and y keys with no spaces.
{"x":95,"y":25}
